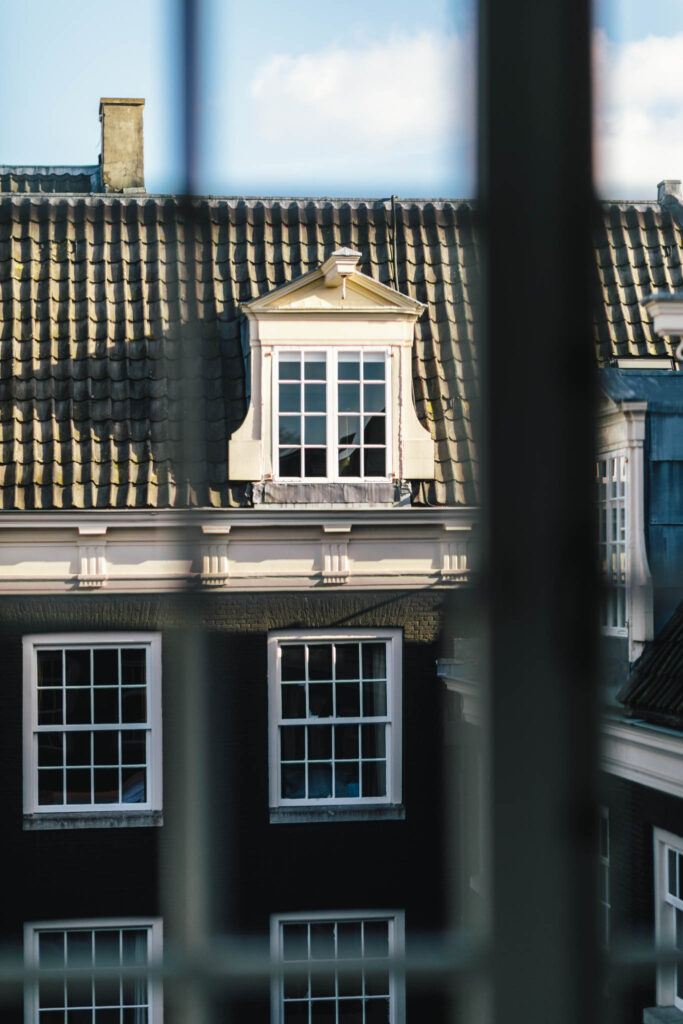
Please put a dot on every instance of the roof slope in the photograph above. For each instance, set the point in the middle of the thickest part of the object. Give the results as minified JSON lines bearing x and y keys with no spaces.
{"x":654,"y":690}
{"x":95,"y":293}
{"x":639,"y":249}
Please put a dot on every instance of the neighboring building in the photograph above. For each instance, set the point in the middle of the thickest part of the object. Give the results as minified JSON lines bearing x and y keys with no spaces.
{"x":639,"y":472}
{"x":250,"y":417}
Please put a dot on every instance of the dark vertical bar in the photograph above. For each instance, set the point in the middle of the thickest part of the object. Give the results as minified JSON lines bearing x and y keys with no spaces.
{"x":536,"y":204}
{"x":187,"y":845}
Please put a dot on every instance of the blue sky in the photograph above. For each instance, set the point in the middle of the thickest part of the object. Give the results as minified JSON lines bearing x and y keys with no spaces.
{"x":352,"y":98}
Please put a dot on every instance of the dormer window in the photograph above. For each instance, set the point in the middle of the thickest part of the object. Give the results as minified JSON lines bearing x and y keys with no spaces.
{"x":332,"y":413}
{"x":332,"y":416}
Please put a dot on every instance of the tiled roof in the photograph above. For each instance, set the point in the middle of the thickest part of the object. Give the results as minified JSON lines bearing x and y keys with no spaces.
{"x":94,"y":294}
{"x":95,"y":289}
{"x":639,"y":247}
{"x":654,"y":690}
{"x":50,"y":180}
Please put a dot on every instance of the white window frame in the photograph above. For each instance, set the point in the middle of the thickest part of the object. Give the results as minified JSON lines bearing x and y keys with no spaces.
{"x":611,"y":544}
{"x":393,"y":640}
{"x":154,"y":928}
{"x":665,"y":915}
{"x":92,"y":815}
{"x":332,"y":353}
{"x":396,"y":921}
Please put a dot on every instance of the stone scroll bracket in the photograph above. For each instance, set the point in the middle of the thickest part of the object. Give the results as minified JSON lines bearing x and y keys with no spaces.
{"x":92,"y":553}
{"x":335,"y":554}
{"x":215,"y":570}
{"x":455,"y":555}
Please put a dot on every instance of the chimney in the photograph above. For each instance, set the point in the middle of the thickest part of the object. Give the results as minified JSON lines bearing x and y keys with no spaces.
{"x":669,"y":189}
{"x":121,"y":162}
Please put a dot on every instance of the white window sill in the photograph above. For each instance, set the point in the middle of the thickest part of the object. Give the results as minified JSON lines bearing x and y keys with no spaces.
{"x":92,"y":819}
{"x":662,"y":1015}
{"x":340,"y":812}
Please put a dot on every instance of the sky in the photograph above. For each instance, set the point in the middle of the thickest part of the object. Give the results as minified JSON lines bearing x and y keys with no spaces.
{"x":360,"y":98}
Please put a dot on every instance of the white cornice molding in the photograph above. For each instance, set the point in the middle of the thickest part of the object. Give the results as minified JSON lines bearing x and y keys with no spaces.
{"x":52,"y":552}
{"x":644,"y":754}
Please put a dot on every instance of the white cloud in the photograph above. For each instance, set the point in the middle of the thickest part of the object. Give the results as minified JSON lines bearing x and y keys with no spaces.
{"x":638,"y":114}
{"x":407,"y":98}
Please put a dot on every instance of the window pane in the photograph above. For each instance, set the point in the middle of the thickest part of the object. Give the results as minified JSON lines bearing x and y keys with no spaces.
{"x":290,"y":430}
{"x":78,"y":748}
{"x":348,"y":700}
{"x":315,"y":462}
{"x":133,"y":747}
{"x":320,"y":700}
{"x":348,"y":939}
{"x":346,"y":656}
{"x":349,"y":430}
{"x":292,"y":661}
{"x":106,"y":705}
{"x":345,"y":741}
{"x":320,"y":661}
{"x":133,"y":785}
{"x":315,"y":364}
{"x":346,"y":782}
{"x":107,"y":949}
{"x":296,"y":1013}
{"x":373,"y":365}
{"x":51,"y":949}
{"x":374,"y":430}
{"x":50,"y":787}
{"x":49,"y":668}
{"x":376,"y":938}
{"x":375,"y":462}
{"x":295,"y":942}
{"x":374,"y":660}
{"x":374,"y":398}
{"x":374,"y":778}
{"x":50,"y":707}
{"x":293,"y":741}
{"x":319,"y":780}
{"x":293,"y":782}
{"x":106,"y":785}
{"x":294,"y":701}
{"x":349,"y":462}
{"x":374,"y":699}
{"x":105,"y":667}
{"x":316,"y":430}
{"x":134,"y":704}
{"x":348,"y":366}
{"x":290,"y":369}
{"x":377,"y":983}
{"x":79,"y":949}
{"x":349,"y":397}
{"x":377,"y":1011}
{"x":290,"y":462}
{"x":322,"y":940}
{"x":78,"y":786}
{"x":290,"y":398}
{"x":373,"y":740}
{"x":77,"y":668}
{"x":319,"y":741}
{"x":106,"y":747}
{"x":78,"y":707}
{"x":50,"y":752}
{"x":315,"y":399}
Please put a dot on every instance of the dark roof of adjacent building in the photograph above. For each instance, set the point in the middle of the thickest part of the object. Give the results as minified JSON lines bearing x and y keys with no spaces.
{"x":661,"y":389}
{"x":51,"y":180}
{"x":654,"y":690}
{"x":95,"y":291}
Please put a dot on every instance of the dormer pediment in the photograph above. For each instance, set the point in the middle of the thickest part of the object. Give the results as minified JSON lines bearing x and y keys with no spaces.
{"x":336,"y":287}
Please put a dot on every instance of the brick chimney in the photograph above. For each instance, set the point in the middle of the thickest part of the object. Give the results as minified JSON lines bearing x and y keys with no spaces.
{"x":122,"y":162}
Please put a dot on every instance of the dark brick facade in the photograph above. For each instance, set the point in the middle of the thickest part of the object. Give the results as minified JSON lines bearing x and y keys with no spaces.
{"x":268,"y":867}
